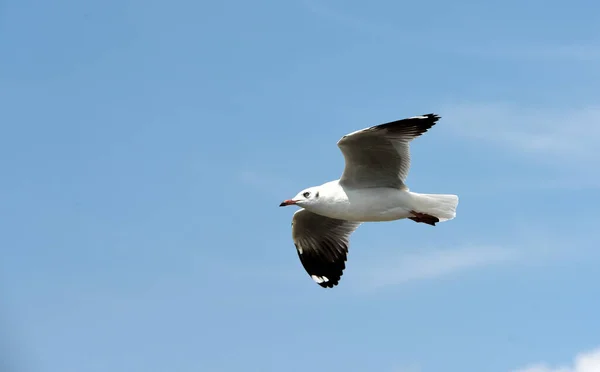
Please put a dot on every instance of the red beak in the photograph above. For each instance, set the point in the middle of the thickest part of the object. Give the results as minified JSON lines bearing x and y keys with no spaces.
{"x":287,"y":202}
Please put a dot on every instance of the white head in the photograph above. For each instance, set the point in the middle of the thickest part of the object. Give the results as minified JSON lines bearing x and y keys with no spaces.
{"x":304,"y":198}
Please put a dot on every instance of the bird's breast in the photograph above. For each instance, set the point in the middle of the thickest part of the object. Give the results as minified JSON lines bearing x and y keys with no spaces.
{"x":370,"y":205}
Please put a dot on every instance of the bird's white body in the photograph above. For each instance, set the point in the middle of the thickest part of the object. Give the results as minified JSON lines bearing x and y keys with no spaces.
{"x":379,"y":203}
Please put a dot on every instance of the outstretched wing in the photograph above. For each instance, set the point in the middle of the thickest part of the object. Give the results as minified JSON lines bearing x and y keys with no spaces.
{"x":379,"y":156}
{"x":322,"y":245}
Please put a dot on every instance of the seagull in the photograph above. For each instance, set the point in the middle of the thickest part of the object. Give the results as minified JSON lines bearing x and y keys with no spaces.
{"x":372,"y":188}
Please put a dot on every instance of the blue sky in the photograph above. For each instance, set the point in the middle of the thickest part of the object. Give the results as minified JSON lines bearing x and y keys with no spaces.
{"x":145,"y":147}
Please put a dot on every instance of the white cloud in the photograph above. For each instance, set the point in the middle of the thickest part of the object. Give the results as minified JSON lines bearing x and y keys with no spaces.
{"x":588,"y":361}
{"x":564,"y":136}
{"x":433,"y":264}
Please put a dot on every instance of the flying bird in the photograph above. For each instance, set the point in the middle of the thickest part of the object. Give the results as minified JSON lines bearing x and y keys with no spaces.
{"x":372,"y":188}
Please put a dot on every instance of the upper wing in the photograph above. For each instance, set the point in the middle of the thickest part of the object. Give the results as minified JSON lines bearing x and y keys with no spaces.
{"x":379,"y":156}
{"x":322,"y":245}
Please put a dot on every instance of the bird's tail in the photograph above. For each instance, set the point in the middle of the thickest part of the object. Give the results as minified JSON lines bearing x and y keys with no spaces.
{"x":442,"y":206}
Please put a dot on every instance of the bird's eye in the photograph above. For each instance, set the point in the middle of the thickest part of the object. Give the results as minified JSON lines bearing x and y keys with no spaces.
{"x":306,"y":194}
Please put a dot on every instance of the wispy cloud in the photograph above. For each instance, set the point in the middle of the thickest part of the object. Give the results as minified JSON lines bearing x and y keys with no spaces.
{"x":406,"y":368}
{"x":320,"y":9}
{"x":539,"y":51}
{"x":552,"y":135}
{"x":588,"y":361}
{"x":429,"y":265}
{"x":440,"y":41}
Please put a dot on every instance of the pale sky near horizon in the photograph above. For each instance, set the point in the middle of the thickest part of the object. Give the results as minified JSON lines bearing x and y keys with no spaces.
{"x":145,"y":147}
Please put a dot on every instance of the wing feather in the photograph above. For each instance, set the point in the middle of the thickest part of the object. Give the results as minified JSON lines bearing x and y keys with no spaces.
{"x":322,"y":245}
{"x":379,"y":156}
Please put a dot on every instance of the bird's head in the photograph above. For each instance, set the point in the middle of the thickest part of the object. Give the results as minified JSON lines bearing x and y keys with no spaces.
{"x":304,"y":198}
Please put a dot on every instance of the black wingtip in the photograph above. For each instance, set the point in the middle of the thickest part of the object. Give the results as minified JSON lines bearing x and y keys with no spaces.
{"x":414,"y":125}
{"x":432,"y":117}
{"x":330,"y":284}
{"x":325,"y":266}
{"x":329,"y":281}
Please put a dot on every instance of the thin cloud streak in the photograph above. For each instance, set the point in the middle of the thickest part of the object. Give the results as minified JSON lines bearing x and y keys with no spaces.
{"x":432,"y":265}
{"x":408,"y":368}
{"x":534,"y":52}
{"x":509,"y":50}
{"x":554,"y":135}
{"x":327,"y":12}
